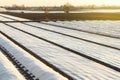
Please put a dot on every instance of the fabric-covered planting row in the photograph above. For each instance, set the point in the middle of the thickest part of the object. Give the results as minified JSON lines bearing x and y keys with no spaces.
{"x":8,"y":70}
{"x":34,"y":67}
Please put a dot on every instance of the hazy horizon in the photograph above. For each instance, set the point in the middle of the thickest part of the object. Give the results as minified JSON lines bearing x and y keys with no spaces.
{"x":59,"y":2}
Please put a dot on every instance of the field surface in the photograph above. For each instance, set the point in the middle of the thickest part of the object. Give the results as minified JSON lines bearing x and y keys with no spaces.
{"x":62,"y":50}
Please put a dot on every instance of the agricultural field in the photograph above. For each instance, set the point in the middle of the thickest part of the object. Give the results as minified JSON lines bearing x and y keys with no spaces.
{"x":59,"y":50}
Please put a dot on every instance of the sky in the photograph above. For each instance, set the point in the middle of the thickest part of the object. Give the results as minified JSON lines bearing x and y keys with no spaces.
{"x":58,"y":2}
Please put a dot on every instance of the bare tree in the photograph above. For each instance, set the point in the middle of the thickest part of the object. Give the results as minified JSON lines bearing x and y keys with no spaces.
{"x":67,"y":7}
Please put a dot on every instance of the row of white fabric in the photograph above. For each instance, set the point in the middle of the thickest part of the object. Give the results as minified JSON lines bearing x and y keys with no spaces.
{"x":8,"y":70}
{"x":30,"y":64}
